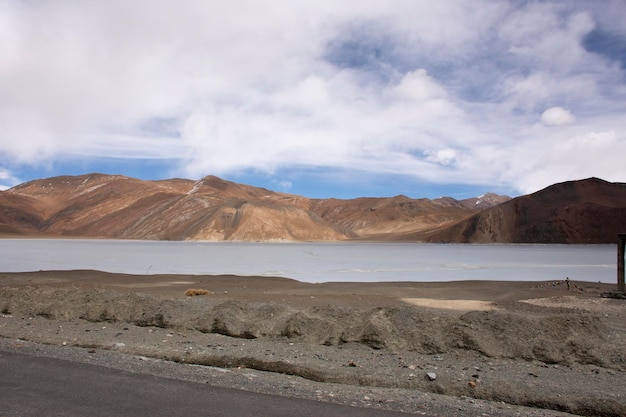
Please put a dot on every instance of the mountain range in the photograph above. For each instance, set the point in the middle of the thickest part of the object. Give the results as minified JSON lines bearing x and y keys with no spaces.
{"x":119,"y":207}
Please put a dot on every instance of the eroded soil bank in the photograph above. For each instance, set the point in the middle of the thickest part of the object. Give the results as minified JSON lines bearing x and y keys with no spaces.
{"x":496,"y":344}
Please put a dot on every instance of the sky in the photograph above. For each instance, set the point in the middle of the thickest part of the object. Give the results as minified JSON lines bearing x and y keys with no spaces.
{"x":318,"y":98}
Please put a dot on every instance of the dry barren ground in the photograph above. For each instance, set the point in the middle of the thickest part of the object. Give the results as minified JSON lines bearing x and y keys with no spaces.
{"x":458,"y":348}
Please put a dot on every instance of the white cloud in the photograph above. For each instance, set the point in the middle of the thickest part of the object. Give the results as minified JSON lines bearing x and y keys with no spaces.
{"x":541,"y":36}
{"x":443,"y":92}
{"x":7,"y":180}
{"x":556,"y":116}
{"x":565,"y":157}
{"x":284,"y":185}
{"x":441,"y":157}
{"x":418,"y":86}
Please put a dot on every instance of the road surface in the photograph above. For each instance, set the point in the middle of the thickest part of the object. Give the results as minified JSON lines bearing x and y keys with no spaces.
{"x":40,"y":386}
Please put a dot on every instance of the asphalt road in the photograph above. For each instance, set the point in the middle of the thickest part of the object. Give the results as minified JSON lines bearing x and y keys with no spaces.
{"x":39,"y":386}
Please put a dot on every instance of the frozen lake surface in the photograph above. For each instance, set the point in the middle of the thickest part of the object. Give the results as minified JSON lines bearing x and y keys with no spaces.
{"x":318,"y":262}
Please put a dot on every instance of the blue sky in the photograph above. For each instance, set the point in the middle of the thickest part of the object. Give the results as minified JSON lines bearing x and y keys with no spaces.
{"x":323,"y":99}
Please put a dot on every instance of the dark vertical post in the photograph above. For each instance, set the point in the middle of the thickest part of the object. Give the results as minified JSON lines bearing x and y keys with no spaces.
{"x":620,"y":263}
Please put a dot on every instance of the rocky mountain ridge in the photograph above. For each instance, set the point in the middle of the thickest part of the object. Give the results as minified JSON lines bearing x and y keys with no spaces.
{"x":119,"y":207}
{"x":113,"y":206}
{"x":585,"y":211}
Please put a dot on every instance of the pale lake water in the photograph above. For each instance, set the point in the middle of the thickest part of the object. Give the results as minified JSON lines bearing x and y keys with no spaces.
{"x":318,"y":262}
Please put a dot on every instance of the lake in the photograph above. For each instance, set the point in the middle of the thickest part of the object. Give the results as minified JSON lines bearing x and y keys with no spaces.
{"x":318,"y":262}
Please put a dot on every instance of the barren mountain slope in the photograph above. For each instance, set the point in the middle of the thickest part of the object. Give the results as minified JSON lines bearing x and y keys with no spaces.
{"x":110,"y":206}
{"x":114,"y":206}
{"x":77,"y":204}
{"x":19,"y":215}
{"x":380,"y":218}
{"x":586,"y":211}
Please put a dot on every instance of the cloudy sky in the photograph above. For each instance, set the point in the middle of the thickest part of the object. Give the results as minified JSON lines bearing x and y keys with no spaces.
{"x":321,"y":98}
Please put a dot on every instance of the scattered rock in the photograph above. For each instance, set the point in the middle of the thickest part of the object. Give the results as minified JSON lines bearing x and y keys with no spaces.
{"x":614,"y":294}
{"x":196,"y":291}
{"x":431,"y":376}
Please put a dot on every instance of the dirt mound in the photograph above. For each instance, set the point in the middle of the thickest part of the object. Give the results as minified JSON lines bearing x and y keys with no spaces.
{"x":560,"y":338}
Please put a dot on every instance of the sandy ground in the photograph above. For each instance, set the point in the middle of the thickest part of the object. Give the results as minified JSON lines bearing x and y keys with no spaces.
{"x":458,"y":348}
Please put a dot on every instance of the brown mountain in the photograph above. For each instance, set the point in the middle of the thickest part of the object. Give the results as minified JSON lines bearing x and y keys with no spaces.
{"x":112,"y":206}
{"x":586,"y":211}
{"x":96,"y":205}
{"x":388,"y":218}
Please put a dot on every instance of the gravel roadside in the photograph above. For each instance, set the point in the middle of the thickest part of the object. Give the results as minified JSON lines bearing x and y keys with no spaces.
{"x":365,"y":378}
